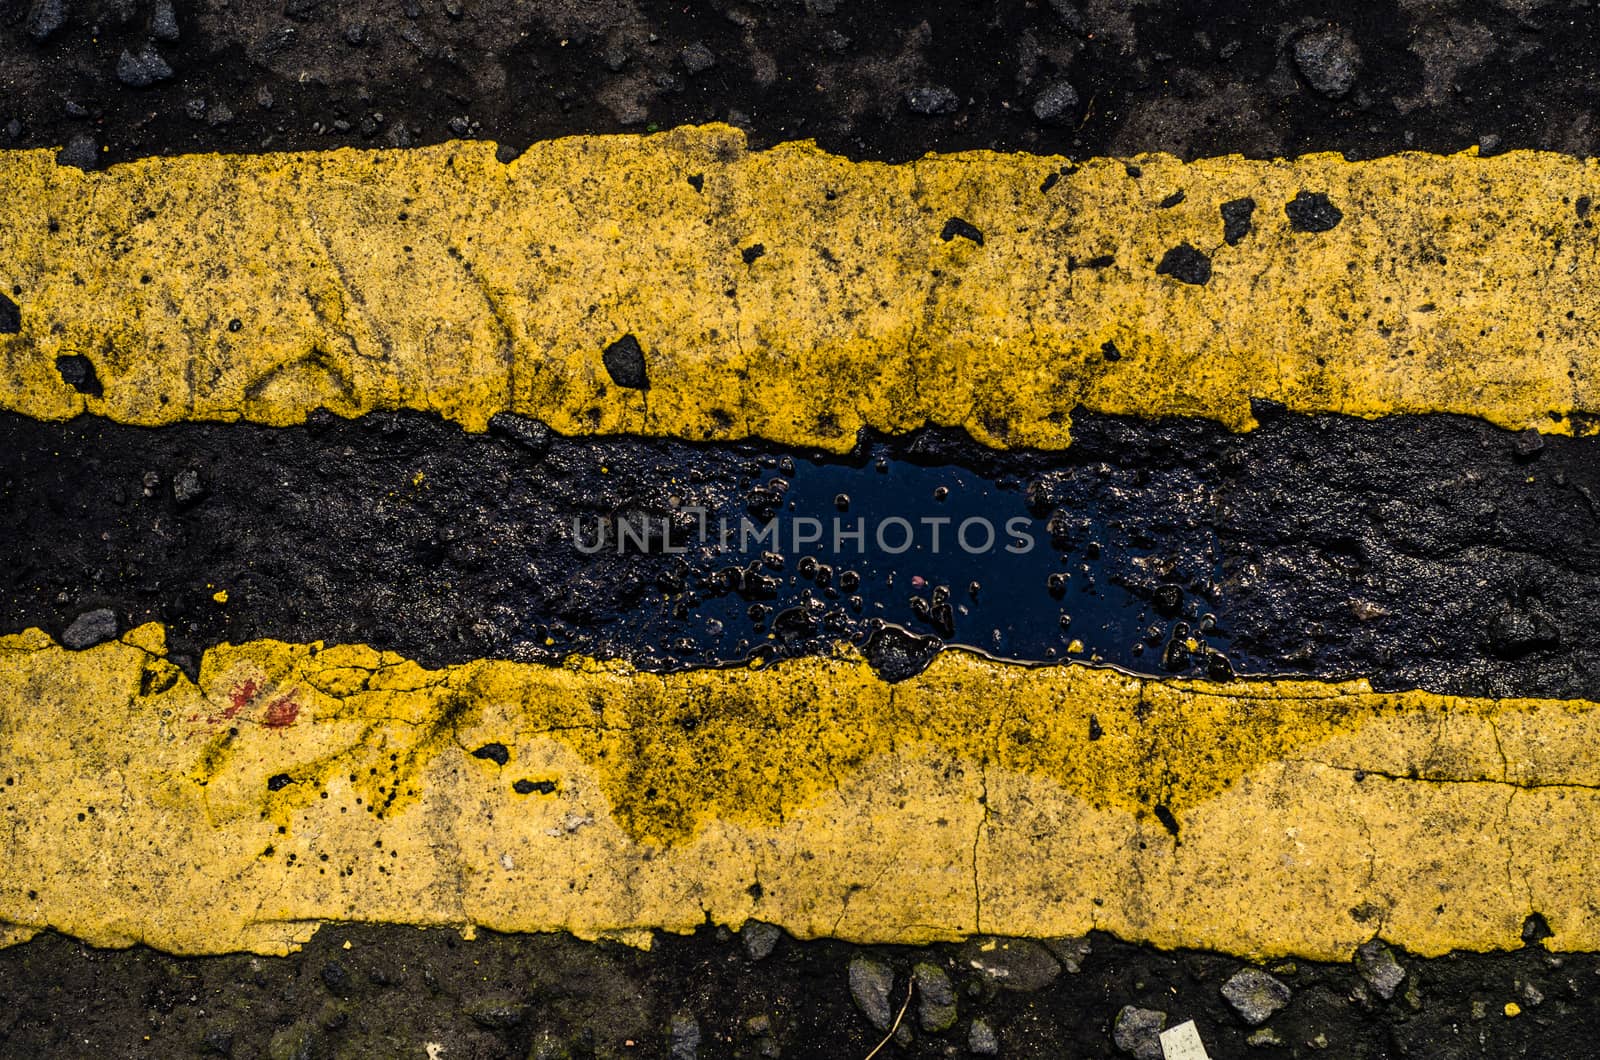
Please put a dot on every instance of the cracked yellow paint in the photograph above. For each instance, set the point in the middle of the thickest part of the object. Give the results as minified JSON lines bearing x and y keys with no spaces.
{"x":264,"y":287}
{"x":296,"y":784}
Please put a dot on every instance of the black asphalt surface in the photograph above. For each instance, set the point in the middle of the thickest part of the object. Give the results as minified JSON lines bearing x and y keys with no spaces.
{"x":756,"y":994}
{"x":888,"y":79}
{"x":1434,"y":552}
{"x":1427,"y":552}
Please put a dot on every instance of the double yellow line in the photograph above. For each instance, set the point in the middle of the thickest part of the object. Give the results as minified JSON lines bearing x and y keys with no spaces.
{"x":678,"y":285}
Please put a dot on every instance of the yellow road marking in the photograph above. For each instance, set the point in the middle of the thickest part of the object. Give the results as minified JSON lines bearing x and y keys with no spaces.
{"x":295,"y":784}
{"x":263,"y":287}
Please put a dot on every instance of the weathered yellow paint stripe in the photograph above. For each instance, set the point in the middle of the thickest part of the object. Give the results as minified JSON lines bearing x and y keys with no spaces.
{"x":264,"y":287}
{"x":295,"y":784}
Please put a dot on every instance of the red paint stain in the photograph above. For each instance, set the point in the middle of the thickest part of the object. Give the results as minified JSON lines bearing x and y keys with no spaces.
{"x":240,"y":697}
{"x":281,"y":713}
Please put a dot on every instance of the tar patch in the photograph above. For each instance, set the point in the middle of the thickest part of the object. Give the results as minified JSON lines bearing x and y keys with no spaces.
{"x":624,"y":360}
{"x":1236,"y":214}
{"x":957,"y":226}
{"x":1310,"y":211}
{"x":1186,"y":265}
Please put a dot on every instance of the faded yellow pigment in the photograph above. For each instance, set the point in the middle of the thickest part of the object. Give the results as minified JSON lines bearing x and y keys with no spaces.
{"x":298,"y":784}
{"x":263,"y":287}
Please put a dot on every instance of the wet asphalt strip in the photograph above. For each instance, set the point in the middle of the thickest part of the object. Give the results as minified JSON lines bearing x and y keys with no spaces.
{"x":1433,"y":552}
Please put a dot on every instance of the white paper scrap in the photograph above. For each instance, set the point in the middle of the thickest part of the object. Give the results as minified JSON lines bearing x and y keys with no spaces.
{"x":1183,"y":1043}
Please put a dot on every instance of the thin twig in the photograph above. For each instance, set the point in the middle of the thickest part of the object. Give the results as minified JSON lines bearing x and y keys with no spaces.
{"x":911,"y":986}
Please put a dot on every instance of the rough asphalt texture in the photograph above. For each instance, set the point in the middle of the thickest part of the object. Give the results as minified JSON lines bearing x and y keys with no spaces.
{"x":759,"y":993}
{"x":1414,"y":551}
{"x":1434,"y":552}
{"x":885,"y":79}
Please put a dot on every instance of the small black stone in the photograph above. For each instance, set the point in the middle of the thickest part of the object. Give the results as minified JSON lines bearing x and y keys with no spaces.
{"x":1109,"y":351}
{"x":1236,"y":215}
{"x":1186,"y":265}
{"x":1310,"y":211}
{"x":1172,"y":200}
{"x":697,"y":58}
{"x":81,"y":152}
{"x":1168,"y":600}
{"x":897,"y":654}
{"x":10,"y":317}
{"x":1057,"y":104}
{"x":931,"y":100}
{"x":528,"y":787}
{"x":1329,"y":60}
{"x":1265,"y":410}
{"x":624,"y":360}
{"x":957,"y":226}
{"x":697,"y":182}
{"x":336,"y":977}
{"x":1583,"y":206}
{"x":45,"y":17}
{"x":188,"y":489}
{"x":279,"y":781}
{"x":164,"y":21}
{"x":79,"y":373}
{"x":143,"y":68}
{"x":523,"y":431}
{"x":1169,"y":822}
{"x":1518,"y":631}
{"x":494,"y":752}
{"x":752,"y":252}
{"x":1095,"y":731}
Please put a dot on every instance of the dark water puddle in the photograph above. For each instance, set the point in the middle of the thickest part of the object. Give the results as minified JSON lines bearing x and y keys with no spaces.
{"x":828,"y":550}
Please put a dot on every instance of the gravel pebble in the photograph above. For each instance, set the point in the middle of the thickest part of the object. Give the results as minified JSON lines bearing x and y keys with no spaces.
{"x":1375,"y":963}
{"x":1016,"y":964}
{"x":760,"y":938}
{"x":1255,"y":995}
{"x":1137,"y":1032}
{"x":498,"y":1013}
{"x":1070,"y":952}
{"x":936,"y":998}
{"x":81,"y":152}
{"x":697,"y":58}
{"x":684,"y":1035}
{"x":1329,"y":60}
{"x":142,"y":69}
{"x":870,"y":984}
{"x":164,"y":21}
{"x":982,"y":1040}
{"x":187,"y":488}
{"x":1056,"y":104}
{"x":932,"y":99}
{"x":45,"y":17}
{"x":90,"y":628}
